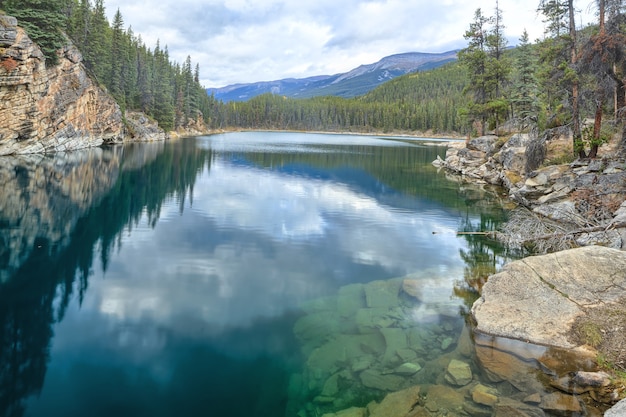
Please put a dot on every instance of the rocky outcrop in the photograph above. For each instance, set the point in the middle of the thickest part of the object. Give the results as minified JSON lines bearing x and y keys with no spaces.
{"x":53,"y":109}
{"x":140,"y":128}
{"x":537,"y":299}
{"x":546,"y":314}
{"x":579,"y":195}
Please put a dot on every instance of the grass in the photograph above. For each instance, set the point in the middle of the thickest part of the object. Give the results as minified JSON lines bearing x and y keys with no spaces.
{"x":589,"y":333}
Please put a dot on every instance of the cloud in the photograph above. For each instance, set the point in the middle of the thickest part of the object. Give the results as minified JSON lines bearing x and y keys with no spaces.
{"x":243,"y":250}
{"x":238,"y":41}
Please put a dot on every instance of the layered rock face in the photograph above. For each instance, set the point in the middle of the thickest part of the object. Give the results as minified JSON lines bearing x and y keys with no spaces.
{"x":49,"y":109}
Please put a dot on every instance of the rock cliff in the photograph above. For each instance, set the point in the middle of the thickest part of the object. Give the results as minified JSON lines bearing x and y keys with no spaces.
{"x":49,"y":109}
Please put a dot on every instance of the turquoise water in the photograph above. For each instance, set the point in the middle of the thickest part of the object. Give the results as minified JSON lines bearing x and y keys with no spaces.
{"x":264,"y":274}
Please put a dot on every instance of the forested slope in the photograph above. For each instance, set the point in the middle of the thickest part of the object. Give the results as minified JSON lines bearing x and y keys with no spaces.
{"x":422,"y":102}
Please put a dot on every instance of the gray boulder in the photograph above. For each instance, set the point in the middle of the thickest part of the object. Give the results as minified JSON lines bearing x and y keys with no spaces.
{"x":487,"y":144}
{"x":618,"y":410}
{"x":537,"y":299}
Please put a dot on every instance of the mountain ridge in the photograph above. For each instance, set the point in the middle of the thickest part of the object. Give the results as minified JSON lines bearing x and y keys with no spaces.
{"x":353,"y":83}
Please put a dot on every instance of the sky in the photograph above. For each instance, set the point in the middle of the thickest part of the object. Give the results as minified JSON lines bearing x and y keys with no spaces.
{"x":244,"y":41}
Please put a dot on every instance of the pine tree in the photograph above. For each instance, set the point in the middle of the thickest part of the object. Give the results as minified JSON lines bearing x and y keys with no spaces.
{"x":97,"y":53}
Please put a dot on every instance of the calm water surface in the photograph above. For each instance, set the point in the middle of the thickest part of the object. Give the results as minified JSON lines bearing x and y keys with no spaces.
{"x":209,"y":276}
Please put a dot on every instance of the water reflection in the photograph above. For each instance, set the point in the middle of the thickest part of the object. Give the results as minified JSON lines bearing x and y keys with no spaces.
{"x":58,"y":215}
{"x":173,"y":284}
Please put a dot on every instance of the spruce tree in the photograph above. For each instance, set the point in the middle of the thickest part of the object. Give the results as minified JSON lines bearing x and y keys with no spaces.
{"x":475,"y":58}
{"x":43,"y":20}
{"x":119,"y":60}
{"x":498,"y":70}
{"x":525,"y":91}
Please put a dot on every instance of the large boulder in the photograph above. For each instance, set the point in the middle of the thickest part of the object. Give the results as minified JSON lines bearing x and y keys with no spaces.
{"x":488,"y":144}
{"x":512,"y":156}
{"x":537,"y":299}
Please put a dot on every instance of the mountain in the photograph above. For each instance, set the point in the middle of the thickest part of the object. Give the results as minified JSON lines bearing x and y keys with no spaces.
{"x":350,"y":84}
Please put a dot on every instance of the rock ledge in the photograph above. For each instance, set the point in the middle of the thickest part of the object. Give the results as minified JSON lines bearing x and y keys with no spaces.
{"x":537,"y":299}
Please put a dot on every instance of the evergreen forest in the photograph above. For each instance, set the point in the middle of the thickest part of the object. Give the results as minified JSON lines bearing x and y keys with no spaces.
{"x":569,"y":82}
{"x":137,"y":76}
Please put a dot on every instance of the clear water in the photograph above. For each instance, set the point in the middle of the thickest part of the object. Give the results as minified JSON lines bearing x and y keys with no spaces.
{"x":232,"y":275}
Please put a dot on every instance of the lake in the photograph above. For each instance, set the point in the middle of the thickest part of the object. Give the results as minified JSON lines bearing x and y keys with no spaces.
{"x":239,"y":274}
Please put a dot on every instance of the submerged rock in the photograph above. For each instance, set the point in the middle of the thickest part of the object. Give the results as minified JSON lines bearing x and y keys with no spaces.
{"x":383,"y":294}
{"x":507,"y":407}
{"x":385,"y":382}
{"x":407,"y":369}
{"x":560,"y":403}
{"x":444,"y":400}
{"x":397,"y":404}
{"x":484,"y":395}
{"x":350,"y":412}
{"x":458,"y":373}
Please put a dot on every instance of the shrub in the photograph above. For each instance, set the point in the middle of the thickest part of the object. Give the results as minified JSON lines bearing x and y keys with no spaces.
{"x":9,"y":64}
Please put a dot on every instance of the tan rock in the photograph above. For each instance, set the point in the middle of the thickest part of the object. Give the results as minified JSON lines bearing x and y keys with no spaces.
{"x":411,"y":287}
{"x":507,"y":407}
{"x":533,"y":398}
{"x":442,"y":399}
{"x":484,"y":395}
{"x":52,"y":109}
{"x":458,"y":373}
{"x":397,"y":404}
{"x":538,"y":298}
{"x":557,"y":402}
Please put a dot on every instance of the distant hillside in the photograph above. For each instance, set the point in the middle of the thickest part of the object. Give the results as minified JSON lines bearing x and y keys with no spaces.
{"x":350,"y":84}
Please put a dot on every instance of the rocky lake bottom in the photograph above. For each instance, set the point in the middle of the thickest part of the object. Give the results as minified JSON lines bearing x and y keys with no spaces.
{"x":400,"y":348}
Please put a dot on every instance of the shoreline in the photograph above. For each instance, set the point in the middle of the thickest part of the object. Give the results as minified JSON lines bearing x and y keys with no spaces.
{"x":419,"y":136}
{"x":561,"y":207}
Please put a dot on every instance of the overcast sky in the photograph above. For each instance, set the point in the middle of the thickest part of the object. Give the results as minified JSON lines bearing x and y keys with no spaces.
{"x":241,"y":41}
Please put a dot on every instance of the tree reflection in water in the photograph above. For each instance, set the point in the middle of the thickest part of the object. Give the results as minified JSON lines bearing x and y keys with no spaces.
{"x":484,"y":255}
{"x":39,"y":285}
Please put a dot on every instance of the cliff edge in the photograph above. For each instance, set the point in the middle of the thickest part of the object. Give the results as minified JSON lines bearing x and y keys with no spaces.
{"x":50,"y":109}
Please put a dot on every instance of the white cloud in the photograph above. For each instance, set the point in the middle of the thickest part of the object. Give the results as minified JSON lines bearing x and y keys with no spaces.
{"x":237,"y":41}
{"x":243,"y":250}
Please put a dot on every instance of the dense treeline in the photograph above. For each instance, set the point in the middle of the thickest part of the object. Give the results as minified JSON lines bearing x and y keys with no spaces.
{"x":425,"y":101}
{"x":138,"y":77}
{"x":565,"y":83}
{"x":550,"y":87}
